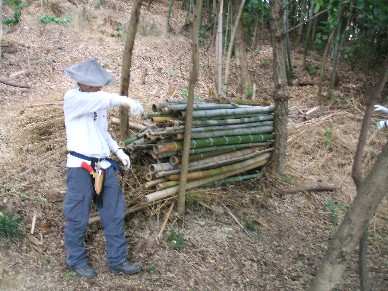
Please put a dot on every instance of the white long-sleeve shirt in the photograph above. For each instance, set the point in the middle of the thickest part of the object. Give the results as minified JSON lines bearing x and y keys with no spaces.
{"x":87,"y":125}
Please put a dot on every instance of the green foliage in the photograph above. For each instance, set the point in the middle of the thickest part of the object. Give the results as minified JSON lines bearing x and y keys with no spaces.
{"x":253,"y":10}
{"x":335,"y":209}
{"x":250,"y":225}
{"x":328,"y":137}
{"x":312,"y":69}
{"x":99,"y":3}
{"x":17,"y":6}
{"x":69,"y":275}
{"x":176,"y":240}
{"x":10,"y":227}
{"x":47,"y":19}
{"x":151,"y":269}
{"x":185,"y":94}
{"x":119,"y":31}
{"x":248,"y":91}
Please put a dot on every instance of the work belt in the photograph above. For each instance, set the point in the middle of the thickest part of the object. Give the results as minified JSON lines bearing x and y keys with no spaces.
{"x":97,"y":173}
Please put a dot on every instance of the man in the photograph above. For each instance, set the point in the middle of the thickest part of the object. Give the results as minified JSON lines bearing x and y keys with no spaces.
{"x":382,"y":123}
{"x":89,"y":143}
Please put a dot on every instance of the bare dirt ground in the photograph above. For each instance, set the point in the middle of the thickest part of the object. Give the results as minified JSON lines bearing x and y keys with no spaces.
{"x":289,"y":233}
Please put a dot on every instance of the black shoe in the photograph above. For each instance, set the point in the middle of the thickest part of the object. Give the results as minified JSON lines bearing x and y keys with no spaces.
{"x":85,"y":271}
{"x":126,"y":268}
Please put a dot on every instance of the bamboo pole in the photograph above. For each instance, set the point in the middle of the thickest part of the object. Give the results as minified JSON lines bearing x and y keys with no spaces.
{"x":211,"y":142}
{"x":213,"y":162}
{"x":173,"y":190}
{"x":201,"y":174}
{"x":189,"y":110}
{"x":167,"y":108}
{"x":127,"y":62}
{"x":153,"y":183}
{"x":153,"y":168}
{"x":238,"y":179}
{"x":230,"y":132}
{"x":231,"y":112}
{"x":228,"y":157}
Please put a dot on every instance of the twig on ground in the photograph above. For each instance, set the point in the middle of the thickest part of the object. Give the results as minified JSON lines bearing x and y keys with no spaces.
{"x":235,"y":219}
{"x":133,"y":209}
{"x":165,"y":220}
{"x":33,"y":223}
{"x":8,"y":83}
{"x":310,"y":188}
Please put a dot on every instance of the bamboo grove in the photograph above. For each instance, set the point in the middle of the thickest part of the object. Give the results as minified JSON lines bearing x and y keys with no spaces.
{"x":352,"y":31}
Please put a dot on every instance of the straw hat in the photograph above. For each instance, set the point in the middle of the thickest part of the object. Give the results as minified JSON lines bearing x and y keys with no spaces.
{"x":89,"y":73}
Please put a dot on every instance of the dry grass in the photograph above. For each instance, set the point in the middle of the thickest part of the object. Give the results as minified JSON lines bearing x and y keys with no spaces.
{"x":290,"y":232}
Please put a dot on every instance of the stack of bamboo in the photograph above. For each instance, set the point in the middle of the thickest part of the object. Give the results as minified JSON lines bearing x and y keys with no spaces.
{"x":229,"y":143}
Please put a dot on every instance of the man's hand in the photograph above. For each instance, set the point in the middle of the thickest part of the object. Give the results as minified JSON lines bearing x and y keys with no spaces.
{"x":382,"y":109}
{"x":382,"y":124}
{"x":123,"y":157}
{"x":135,"y":107}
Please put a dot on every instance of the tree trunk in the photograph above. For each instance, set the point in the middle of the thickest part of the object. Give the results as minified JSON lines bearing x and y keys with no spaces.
{"x":337,"y":48}
{"x":370,"y":191}
{"x":308,"y":33}
{"x":126,"y":66}
{"x":280,"y":93}
{"x":245,"y":78}
{"x":287,"y":48}
{"x":219,"y":52}
{"x":189,"y":110}
{"x":231,"y":44}
{"x":301,"y":23}
{"x":323,"y":66}
{"x":358,"y":176}
{"x":169,"y":13}
{"x":363,"y":261}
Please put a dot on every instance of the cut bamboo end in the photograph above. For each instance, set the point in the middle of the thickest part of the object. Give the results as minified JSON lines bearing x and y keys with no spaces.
{"x":148,"y":176}
{"x":174,"y":160}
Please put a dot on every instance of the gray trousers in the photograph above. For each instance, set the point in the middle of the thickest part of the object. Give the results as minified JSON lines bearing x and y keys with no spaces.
{"x":78,"y":200}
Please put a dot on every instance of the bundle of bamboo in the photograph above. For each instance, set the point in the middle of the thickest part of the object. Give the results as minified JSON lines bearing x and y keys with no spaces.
{"x":229,"y":143}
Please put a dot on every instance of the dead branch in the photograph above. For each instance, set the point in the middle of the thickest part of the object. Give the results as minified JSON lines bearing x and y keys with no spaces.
{"x":165,"y":221}
{"x":310,"y":188}
{"x":131,"y":210}
{"x":14,"y":84}
{"x":235,"y":219}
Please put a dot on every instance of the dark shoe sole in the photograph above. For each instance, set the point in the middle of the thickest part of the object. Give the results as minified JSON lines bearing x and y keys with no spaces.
{"x":125,"y":273}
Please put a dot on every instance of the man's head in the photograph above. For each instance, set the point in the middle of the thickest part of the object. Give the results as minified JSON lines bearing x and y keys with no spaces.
{"x":87,"y":88}
{"x":89,"y":75}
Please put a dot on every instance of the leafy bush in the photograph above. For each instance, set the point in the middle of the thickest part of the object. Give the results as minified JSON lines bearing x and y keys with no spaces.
{"x":176,"y":240}
{"x":17,"y":6}
{"x":10,"y":227}
{"x":47,"y":19}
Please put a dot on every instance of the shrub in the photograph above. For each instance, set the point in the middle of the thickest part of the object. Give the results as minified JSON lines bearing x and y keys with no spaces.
{"x":47,"y":19}
{"x":10,"y":227}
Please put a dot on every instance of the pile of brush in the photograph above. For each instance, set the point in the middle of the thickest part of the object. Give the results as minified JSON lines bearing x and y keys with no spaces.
{"x":229,"y":143}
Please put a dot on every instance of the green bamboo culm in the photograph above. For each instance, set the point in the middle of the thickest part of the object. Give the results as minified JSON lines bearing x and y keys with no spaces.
{"x":232,"y":112}
{"x":233,"y":132}
{"x":217,"y":141}
{"x":10,"y":227}
{"x":210,"y":122}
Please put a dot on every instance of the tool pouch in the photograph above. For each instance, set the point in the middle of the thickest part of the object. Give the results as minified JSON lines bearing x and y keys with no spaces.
{"x":99,"y":181}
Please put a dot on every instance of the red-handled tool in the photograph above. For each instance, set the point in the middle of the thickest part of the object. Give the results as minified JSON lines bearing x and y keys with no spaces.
{"x":88,"y":168}
{"x":98,"y":176}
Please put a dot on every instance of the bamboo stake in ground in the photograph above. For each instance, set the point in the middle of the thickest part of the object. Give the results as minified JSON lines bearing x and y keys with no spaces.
{"x":189,"y":110}
{"x":126,"y":66}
